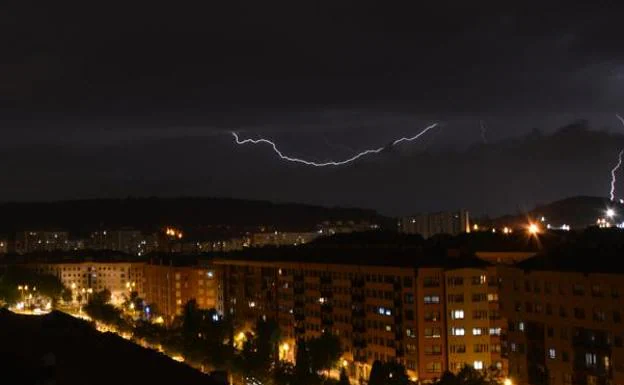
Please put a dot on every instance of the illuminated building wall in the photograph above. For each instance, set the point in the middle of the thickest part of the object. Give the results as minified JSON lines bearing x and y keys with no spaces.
{"x":169,"y":288}
{"x":565,"y":322}
{"x":382,"y":313}
{"x":119,"y":278}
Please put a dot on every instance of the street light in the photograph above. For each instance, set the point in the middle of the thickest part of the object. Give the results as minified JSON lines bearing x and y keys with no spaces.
{"x":507,"y":381}
{"x":533,"y":229}
{"x":610,"y":213}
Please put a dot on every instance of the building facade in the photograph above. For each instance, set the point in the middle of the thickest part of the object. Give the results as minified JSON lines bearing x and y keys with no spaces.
{"x":120,"y":278}
{"x":426,"y":318}
{"x":37,"y":241}
{"x":564,"y":328}
{"x":430,"y":224}
{"x":169,"y":288}
{"x":278,"y":238}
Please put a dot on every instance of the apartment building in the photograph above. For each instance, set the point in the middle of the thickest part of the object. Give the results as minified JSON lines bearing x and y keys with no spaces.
{"x":168,"y":288}
{"x":119,"y":278}
{"x":279,"y":238}
{"x":430,"y":224}
{"x":428,"y":318}
{"x":564,"y":327}
{"x":36,"y":241}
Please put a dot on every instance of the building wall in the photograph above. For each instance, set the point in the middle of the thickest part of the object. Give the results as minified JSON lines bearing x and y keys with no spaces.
{"x":169,"y":288}
{"x":282,"y":238}
{"x":569,"y":323}
{"x":474,"y":319}
{"x":33,"y":241}
{"x":504,"y":257}
{"x":118,"y":277}
{"x":430,"y":224}
{"x":378,"y":312}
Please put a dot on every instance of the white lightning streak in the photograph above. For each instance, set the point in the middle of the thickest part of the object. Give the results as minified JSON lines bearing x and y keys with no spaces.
{"x":331,"y":163}
{"x":613,"y":170}
{"x":617,"y":166}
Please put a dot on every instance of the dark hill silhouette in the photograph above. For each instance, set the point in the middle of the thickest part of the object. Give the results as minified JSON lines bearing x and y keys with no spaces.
{"x":149,"y":214}
{"x":578,"y":212}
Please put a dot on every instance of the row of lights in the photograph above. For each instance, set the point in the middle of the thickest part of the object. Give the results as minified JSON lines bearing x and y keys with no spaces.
{"x":174,"y":233}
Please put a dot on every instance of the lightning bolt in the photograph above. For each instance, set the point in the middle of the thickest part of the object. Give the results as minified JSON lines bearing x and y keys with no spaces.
{"x":613,"y":171}
{"x":483,"y":130}
{"x":331,"y":163}
{"x":617,"y":165}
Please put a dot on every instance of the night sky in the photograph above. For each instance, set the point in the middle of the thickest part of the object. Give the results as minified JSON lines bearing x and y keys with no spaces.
{"x":139,"y":99}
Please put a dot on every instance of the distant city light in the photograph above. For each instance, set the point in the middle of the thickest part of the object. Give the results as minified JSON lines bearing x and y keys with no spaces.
{"x":533,"y":229}
{"x":610,"y":213}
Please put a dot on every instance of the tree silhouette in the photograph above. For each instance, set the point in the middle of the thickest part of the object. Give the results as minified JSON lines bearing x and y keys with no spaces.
{"x":344,"y":379}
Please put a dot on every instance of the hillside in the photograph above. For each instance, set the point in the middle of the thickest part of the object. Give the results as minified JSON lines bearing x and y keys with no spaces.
{"x":148,"y":214}
{"x":577,"y":212}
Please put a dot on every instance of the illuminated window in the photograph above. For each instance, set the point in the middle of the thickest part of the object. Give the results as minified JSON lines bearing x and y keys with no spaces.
{"x":476,"y":331}
{"x":552,"y":353}
{"x":478,"y":365}
{"x":432,"y":299}
{"x":457,"y":314}
{"x":590,"y":359}
{"x":458,"y":331}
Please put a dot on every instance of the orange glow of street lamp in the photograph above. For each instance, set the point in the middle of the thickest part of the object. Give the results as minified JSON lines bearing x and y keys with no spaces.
{"x":533,"y":229}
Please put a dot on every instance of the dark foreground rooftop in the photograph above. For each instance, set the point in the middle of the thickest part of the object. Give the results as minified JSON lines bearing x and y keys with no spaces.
{"x":36,"y":349}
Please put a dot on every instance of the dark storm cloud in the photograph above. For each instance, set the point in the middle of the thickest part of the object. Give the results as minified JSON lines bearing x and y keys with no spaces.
{"x":137,"y":59}
{"x":140,"y":99}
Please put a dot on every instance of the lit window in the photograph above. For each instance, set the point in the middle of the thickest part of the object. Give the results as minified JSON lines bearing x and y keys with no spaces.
{"x":552,"y":353}
{"x":521,"y":326}
{"x":476,"y":331}
{"x":495,"y":331}
{"x":492,"y":297}
{"x":478,"y":365}
{"x":457,"y":314}
{"x":590,"y":359}
{"x":458,"y":331}
{"x":432,"y":299}
{"x":210,"y":274}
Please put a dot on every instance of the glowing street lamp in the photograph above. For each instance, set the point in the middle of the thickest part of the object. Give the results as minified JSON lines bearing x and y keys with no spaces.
{"x":533,"y":229}
{"x":610,"y":213}
{"x":507,"y":381}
